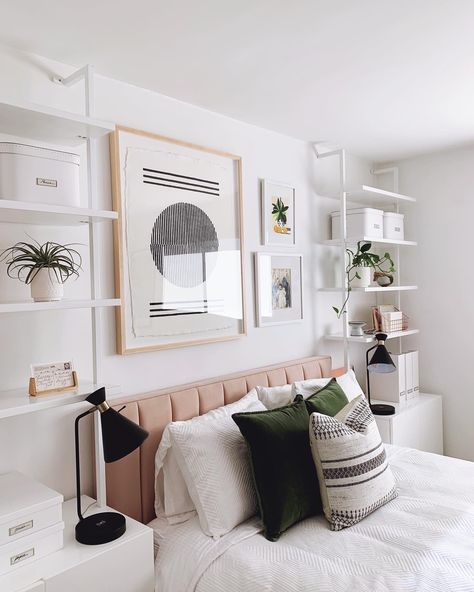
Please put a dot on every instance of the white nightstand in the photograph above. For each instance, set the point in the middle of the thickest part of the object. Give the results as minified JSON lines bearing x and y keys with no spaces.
{"x":124,"y":565}
{"x":416,"y":424}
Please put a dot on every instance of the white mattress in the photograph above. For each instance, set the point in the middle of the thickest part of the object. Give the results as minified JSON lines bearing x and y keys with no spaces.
{"x":423,"y":541}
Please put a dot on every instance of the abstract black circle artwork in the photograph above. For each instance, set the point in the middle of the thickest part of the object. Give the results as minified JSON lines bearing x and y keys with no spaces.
{"x":181,"y":236}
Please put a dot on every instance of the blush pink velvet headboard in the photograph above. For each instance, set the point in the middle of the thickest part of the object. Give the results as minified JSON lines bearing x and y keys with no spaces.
{"x":130,"y":481}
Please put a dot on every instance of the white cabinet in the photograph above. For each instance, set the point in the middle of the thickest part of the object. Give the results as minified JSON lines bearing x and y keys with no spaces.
{"x":124,"y":565}
{"x":416,"y":424}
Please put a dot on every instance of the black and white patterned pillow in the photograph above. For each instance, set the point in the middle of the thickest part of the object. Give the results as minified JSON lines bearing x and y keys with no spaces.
{"x":353,"y":472}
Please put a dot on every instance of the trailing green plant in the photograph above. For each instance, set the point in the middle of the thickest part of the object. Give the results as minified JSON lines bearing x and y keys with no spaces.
{"x":25,"y":260}
{"x":362,"y":257}
{"x":279,"y":211}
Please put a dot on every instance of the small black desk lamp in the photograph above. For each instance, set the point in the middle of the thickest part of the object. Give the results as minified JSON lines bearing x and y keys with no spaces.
{"x":382,"y":363}
{"x":120,"y":436}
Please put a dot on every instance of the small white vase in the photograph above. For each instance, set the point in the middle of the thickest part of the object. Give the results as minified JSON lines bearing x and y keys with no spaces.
{"x":45,"y":286}
{"x":365,"y":274}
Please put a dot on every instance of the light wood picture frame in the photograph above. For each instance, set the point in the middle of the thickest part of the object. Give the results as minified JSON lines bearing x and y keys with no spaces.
{"x":279,"y":288}
{"x":278,"y":202}
{"x":178,"y":242}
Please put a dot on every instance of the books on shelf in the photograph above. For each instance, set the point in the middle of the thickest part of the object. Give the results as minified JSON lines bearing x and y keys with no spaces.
{"x":389,"y":319}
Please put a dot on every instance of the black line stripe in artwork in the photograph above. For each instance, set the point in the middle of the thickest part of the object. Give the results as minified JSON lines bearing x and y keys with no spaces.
{"x":177,"y":309}
{"x":185,"y":188}
{"x":180,"y":182}
{"x":180,"y":176}
{"x":359,"y":482}
{"x":176,"y":314}
{"x":353,"y":457}
{"x":184,"y":302}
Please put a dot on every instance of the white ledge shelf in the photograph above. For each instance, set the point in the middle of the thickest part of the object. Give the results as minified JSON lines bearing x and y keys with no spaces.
{"x":336,"y":242}
{"x":25,"y":212}
{"x":46,"y":124}
{"x":30,"y":306}
{"x":18,"y":402}
{"x":370,"y":338}
{"x":370,"y":289}
{"x":374,"y":196}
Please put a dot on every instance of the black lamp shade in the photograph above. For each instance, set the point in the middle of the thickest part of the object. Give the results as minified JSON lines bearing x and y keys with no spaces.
{"x":120,"y":436}
{"x":381,"y":362}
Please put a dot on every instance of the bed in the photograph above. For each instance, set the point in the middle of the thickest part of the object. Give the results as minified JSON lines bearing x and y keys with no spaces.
{"x":421,"y":541}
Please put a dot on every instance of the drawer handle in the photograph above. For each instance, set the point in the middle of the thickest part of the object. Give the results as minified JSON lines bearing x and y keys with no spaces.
{"x":20,"y":528}
{"x":46,"y":182}
{"x":22,"y":556}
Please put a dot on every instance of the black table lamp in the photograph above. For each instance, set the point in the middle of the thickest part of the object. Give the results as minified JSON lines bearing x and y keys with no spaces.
{"x":380,"y":363}
{"x":120,"y":436}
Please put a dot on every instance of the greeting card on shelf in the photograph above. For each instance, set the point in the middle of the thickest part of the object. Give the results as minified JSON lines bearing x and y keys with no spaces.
{"x":52,"y":377}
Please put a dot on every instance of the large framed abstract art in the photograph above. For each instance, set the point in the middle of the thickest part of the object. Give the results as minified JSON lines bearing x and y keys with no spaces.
{"x":178,"y":242}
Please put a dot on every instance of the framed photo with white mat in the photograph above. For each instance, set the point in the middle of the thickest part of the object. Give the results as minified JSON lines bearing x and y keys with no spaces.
{"x":278,"y":214}
{"x":178,"y":242}
{"x":279,"y":288}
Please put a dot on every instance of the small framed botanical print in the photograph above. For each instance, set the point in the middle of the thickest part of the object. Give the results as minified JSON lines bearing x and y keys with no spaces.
{"x":279,"y":288}
{"x":278,"y":214}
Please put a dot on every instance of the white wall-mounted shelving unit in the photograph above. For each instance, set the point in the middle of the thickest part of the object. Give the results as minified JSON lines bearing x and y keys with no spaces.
{"x":54,"y":127}
{"x":365,"y":196}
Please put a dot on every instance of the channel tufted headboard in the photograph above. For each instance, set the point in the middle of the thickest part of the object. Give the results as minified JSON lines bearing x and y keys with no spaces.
{"x":130,"y":481}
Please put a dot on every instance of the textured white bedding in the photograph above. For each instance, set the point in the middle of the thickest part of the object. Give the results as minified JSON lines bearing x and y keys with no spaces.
{"x":423,"y":541}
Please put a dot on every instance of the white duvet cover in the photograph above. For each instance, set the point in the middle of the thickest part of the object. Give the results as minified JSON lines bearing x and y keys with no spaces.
{"x":423,"y":541}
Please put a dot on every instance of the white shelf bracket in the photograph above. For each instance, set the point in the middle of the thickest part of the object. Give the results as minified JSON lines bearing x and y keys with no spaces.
{"x":87,"y":75}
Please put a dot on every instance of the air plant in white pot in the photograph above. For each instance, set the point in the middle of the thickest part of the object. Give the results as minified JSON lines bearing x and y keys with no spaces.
{"x":44,"y":267}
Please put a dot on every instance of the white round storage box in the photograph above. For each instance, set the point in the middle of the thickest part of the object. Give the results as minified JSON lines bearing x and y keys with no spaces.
{"x":361,"y":222}
{"x":393,"y":227}
{"x":39,"y":175}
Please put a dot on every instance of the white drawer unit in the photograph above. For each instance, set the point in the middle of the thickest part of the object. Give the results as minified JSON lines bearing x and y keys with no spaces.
{"x":33,"y":547}
{"x":418,"y":423}
{"x":123,"y":565}
{"x":26,"y":507}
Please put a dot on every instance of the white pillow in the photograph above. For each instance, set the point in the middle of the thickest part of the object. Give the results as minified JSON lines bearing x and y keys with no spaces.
{"x":215,"y":463}
{"x":348,"y":383}
{"x":275,"y":396}
{"x":172,"y":499}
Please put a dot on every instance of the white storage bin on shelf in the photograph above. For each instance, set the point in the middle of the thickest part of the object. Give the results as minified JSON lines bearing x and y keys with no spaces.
{"x":360,"y":222}
{"x":393,"y":226}
{"x":26,"y":507}
{"x":39,"y":175}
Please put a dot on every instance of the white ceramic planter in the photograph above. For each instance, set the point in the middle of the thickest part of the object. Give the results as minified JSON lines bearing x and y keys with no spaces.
{"x":365,"y":274}
{"x":45,"y":287}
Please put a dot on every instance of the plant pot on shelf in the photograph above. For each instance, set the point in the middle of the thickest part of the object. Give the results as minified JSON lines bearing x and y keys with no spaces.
{"x":364,"y":279}
{"x":45,"y":286}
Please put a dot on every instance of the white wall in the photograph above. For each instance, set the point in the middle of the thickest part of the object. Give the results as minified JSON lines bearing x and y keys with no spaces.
{"x":42,"y":444}
{"x":441,"y":266}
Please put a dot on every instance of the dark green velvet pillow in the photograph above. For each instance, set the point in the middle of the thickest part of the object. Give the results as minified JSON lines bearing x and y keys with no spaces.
{"x":328,"y":400}
{"x":282,"y":465}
